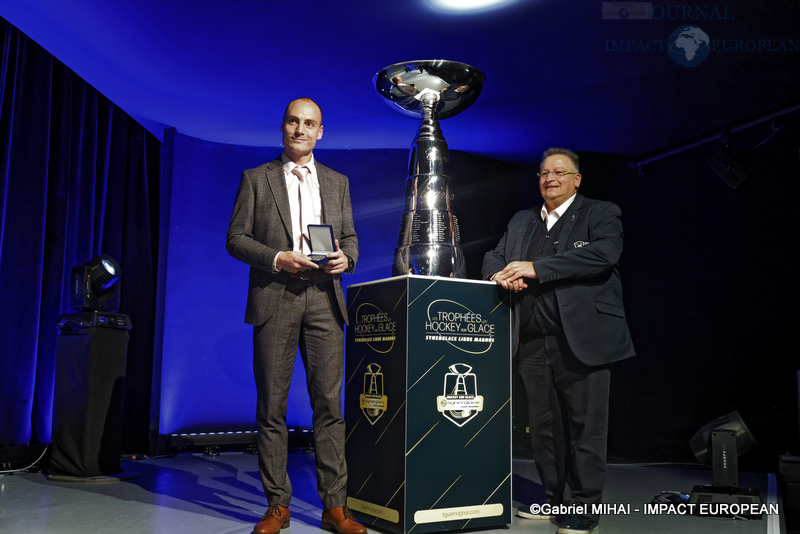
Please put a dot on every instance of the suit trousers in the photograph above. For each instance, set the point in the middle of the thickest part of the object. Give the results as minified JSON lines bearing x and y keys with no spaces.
{"x":307,"y":317}
{"x":568,"y":419}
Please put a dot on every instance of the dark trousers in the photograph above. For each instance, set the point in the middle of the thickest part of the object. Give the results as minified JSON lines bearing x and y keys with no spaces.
{"x":568,"y":419}
{"x":307,"y":318}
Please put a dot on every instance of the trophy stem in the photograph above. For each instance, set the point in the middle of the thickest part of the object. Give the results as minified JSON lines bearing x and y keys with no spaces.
{"x":428,"y":104}
{"x":429,"y":240}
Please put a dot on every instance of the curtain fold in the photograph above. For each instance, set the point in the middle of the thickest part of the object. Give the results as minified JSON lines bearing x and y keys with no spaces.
{"x":78,"y":177}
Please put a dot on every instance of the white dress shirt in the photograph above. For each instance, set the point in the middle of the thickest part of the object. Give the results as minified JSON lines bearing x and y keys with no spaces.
{"x":553,"y":216}
{"x":312,"y":205}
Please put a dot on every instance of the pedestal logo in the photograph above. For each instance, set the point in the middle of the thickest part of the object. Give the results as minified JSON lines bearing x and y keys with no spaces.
{"x":375,"y":328}
{"x":460,"y":401}
{"x":460,"y":327}
{"x":372,"y":401}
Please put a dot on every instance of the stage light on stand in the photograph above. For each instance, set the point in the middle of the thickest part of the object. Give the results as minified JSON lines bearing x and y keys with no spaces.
{"x":91,"y":359}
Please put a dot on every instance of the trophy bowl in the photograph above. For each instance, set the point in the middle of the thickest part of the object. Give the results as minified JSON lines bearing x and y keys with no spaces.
{"x":429,"y":242}
{"x":458,"y":84}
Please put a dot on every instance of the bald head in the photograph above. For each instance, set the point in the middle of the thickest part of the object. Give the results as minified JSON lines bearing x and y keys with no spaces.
{"x":301,"y":128}
{"x":306,"y":100}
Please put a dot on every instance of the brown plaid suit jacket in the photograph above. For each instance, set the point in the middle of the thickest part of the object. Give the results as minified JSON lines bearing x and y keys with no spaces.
{"x":261,"y":226}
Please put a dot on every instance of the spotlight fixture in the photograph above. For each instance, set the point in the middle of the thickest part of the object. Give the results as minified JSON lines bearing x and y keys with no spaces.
{"x":719,"y":444}
{"x":95,"y":285}
{"x":727,"y":169}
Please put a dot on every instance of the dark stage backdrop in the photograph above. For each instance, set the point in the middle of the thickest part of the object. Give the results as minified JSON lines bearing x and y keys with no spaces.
{"x":712,"y":294}
{"x":77,"y":177}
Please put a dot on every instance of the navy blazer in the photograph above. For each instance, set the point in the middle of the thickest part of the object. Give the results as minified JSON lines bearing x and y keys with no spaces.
{"x":261,"y":227}
{"x":584,"y":273}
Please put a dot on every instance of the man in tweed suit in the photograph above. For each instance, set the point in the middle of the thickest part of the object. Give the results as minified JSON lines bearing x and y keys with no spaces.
{"x":293,"y":302}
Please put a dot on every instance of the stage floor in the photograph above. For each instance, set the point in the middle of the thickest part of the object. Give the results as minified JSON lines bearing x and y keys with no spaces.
{"x":198,"y":494}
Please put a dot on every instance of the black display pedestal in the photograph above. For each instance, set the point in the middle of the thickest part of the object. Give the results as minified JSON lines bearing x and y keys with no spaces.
{"x":88,"y":400}
{"x":428,"y":404}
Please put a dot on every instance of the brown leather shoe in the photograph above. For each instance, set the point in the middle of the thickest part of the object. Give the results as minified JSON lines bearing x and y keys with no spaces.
{"x":341,"y":520}
{"x":276,"y":518}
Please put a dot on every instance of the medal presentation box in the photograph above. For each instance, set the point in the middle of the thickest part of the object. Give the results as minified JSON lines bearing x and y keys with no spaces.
{"x":428,"y":404}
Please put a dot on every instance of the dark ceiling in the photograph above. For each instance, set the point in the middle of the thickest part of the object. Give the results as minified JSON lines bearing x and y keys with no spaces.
{"x":557,"y":72}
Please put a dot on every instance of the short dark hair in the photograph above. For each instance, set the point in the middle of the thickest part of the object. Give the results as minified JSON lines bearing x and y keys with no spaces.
{"x":285,"y":111}
{"x":572,"y":156}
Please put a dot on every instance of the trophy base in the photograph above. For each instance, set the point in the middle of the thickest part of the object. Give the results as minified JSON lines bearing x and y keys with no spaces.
{"x":446,"y":261}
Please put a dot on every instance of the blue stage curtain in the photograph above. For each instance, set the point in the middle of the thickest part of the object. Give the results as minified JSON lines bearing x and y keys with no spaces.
{"x":78,"y":177}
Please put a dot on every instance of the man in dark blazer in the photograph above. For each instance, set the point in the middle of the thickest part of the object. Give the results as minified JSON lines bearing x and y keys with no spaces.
{"x":561,"y":262}
{"x":293,"y":302}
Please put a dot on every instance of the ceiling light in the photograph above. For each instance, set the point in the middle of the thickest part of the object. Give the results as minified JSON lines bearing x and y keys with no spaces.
{"x":468,"y":5}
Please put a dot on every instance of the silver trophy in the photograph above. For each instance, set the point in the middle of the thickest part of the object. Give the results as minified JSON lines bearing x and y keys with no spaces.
{"x":429,"y":241}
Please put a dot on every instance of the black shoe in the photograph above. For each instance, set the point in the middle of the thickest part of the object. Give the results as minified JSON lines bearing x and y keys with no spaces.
{"x":577,"y":524}
{"x":534,"y":511}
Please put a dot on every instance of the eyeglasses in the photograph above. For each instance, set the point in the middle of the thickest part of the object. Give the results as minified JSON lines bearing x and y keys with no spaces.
{"x":558,"y":174}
